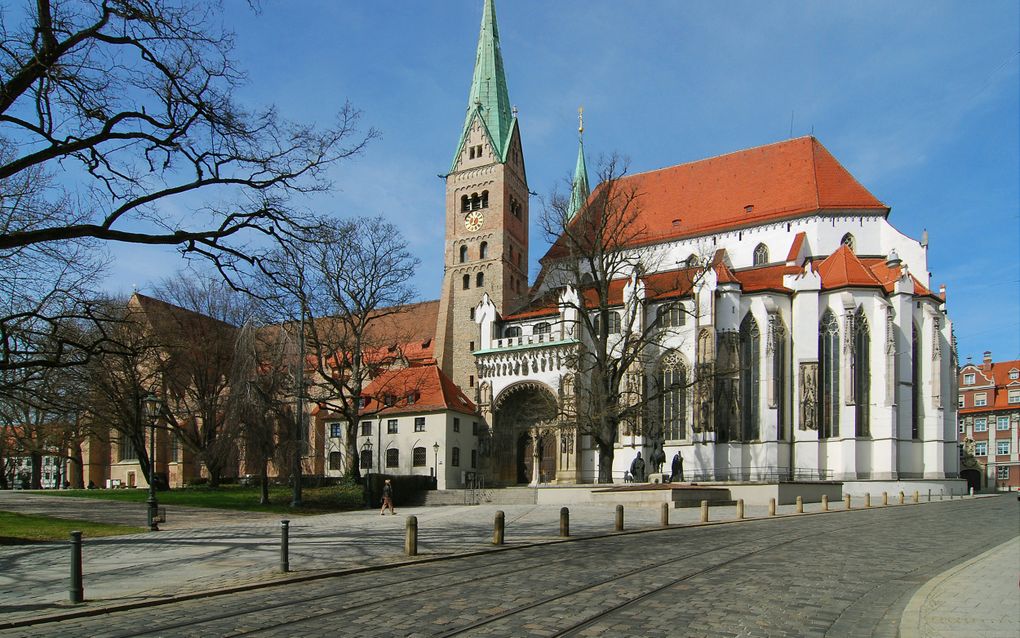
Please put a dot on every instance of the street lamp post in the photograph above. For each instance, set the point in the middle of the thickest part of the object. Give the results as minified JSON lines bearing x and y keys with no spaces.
{"x":367,"y":449}
{"x":152,"y":407}
{"x":435,"y":463}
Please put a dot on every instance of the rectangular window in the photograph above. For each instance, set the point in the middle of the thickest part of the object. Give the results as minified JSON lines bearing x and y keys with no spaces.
{"x":366,"y":428}
{"x":1002,"y":472}
{"x":962,"y":430}
{"x":474,"y":459}
{"x":980,"y":399}
{"x":1002,"y":447}
{"x":474,"y":428}
{"x":968,"y":379}
{"x":126,"y":449}
{"x":336,"y":430}
{"x":981,"y":448}
{"x":175,"y":448}
{"x":981,"y":424}
{"x":455,"y":457}
{"x":419,"y":424}
{"x":391,"y":427}
{"x":961,"y":402}
{"x":1014,"y":396}
{"x":456,"y":424}
{"x":1002,"y":423}
{"x":336,"y":461}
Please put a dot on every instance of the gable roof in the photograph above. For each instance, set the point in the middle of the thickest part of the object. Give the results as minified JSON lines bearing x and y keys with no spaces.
{"x":431,"y":388}
{"x":843,"y":269}
{"x":779,"y":181}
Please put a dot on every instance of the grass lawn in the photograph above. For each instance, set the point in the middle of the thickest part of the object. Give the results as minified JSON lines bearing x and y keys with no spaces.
{"x":19,"y":528}
{"x":316,"y":500}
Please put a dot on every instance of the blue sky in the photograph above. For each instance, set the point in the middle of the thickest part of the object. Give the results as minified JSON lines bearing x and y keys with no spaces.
{"x":920,"y":100}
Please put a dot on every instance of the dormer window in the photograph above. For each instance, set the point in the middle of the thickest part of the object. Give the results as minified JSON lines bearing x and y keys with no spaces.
{"x":1014,"y":375}
{"x":968,"y":379}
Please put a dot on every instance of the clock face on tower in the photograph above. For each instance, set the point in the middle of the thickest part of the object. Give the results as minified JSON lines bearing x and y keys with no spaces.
{"x":473,"y":221}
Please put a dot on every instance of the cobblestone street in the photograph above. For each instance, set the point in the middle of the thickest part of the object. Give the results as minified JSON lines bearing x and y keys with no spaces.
{"x":843,"y":574}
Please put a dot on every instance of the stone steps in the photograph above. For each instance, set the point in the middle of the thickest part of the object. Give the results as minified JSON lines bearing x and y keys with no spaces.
{"x":488,"y":496}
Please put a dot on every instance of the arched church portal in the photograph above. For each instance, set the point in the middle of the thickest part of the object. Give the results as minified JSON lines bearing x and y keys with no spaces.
{"x":524,"y":434}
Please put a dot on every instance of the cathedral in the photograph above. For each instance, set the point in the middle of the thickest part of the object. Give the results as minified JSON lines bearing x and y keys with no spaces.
{"x":789,"y":331}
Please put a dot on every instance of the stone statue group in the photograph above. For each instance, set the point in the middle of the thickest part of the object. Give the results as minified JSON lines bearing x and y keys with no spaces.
{"x":637,"y":467}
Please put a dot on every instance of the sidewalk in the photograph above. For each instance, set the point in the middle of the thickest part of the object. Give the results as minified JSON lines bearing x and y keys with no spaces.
{"x":202,"y":550}
{"x":979,"y":597}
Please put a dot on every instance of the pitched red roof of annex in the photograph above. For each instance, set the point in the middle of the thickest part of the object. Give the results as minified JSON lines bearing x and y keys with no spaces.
{"x":432,"y":390}
{"x":999,"y":374}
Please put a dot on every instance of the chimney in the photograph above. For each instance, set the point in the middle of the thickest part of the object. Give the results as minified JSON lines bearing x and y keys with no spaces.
{"x":986,"y":364}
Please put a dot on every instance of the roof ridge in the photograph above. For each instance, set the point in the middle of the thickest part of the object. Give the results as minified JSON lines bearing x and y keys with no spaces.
{"x":719,"y":156}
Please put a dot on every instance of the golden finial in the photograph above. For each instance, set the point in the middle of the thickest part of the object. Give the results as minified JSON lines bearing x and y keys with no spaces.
{"x":580,"y":119}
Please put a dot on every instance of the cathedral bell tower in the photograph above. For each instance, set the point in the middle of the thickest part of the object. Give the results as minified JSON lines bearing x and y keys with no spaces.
{"x":486,"y":212}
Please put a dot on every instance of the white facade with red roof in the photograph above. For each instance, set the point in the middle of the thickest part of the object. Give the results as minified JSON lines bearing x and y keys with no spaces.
{"x":849,"y":373}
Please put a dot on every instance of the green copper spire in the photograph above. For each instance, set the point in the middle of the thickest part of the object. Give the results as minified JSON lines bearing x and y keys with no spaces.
{"x":489,"y":98}
{"x":579,"y":189}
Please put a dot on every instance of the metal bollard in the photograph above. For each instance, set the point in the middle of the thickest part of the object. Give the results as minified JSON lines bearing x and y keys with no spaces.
{"x":619,"y":518}
{"x":942,"y":494}
{"x":825,"y":502}
{"x":740,"y":509}
{"x":664,"y":516}
{"x":929,"y":496}
{"x":411,"y":536}
{"x":885,"y":498}
{"x":917,"y":497}
{"x":846,"y":501}
{"x":285,"y":545}
{"x":497,"y":528}
{"x":564,"y":522}
{"x":77,"y":592}
{"x":800,"y":504}
{"x":867,"y":500}
{"x":704,"y":511}
{"x":902,"y":498}
{"x":772,"y":507}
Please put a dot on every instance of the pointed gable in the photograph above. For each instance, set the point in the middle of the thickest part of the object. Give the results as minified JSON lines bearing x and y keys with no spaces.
{"x":843,"y":269}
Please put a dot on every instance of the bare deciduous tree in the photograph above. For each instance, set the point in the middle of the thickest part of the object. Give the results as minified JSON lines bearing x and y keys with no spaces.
{"x":113,"y":115}
{"x":604,"y":252}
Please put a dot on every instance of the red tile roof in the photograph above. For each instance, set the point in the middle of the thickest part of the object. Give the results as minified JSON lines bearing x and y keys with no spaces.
{"x":432,"y":390}
{"x":842,"y":269}
{"x":798,"y":243}
{"x":765,"y":278}
{"x":778,"y":181}
{"x":889,"y":274}
{"x":998,"y":372}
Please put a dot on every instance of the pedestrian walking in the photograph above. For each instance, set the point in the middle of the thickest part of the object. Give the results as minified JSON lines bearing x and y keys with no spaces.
{"x":387,"y":498}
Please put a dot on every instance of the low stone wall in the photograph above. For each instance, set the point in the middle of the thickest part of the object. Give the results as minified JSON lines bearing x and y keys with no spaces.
{"x":946,"y":487}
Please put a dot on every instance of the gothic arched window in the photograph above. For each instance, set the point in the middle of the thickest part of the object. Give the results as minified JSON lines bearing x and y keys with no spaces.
{"x":761,"y":255}
{"x":673,"y":397}
{"x":483,"y":250}
{"x":479,"y":280}
{"x":466,"y":282}
{"x":915,"y":385}
{"x":750,"y":378}
{"x":849,"y":241}
{"x":860,"y":363}
{"x":541,"y":328}
{"x":463,"y":254}
{"x":779,"y":376}
{"x":828,"y":375}
{"x":587,"y":279}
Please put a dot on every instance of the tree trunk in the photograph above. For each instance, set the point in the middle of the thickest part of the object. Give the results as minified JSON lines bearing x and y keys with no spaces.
{"x":36,"y":480}
{"x":351,"y":441}
{"x":606,"y":463}
{"x":264,"y":483}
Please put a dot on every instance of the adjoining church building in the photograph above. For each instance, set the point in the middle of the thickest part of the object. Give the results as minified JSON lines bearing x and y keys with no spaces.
{"x":839,"y":352}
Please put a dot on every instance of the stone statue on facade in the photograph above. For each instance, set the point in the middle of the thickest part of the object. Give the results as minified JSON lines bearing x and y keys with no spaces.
{"x":637,"y":469}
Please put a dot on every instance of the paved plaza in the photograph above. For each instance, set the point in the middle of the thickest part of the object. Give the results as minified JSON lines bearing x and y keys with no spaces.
{"x":200,"y":551}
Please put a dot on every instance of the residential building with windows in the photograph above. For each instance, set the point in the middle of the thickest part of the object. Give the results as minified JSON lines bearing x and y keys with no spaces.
{"x":411,"y":425}
{"x":989,"y":423}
